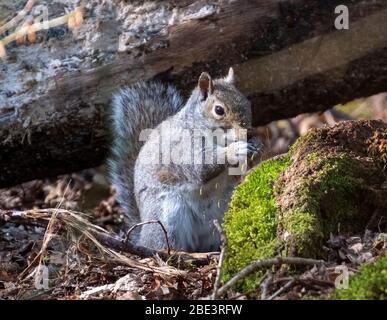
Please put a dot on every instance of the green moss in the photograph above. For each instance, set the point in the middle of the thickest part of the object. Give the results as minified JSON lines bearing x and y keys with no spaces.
{"x":302,"y":232}
{"x":369,"y":284}
{"x":250,"y":222}
{"x":322,"y":203}
{"x":291,"y":205}
{"x":313,"y":157}
{"x":253,"y":219}
{"x":301,"y":142}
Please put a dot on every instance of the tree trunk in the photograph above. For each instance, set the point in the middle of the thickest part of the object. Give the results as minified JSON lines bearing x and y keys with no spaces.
{"x":288,"y":58}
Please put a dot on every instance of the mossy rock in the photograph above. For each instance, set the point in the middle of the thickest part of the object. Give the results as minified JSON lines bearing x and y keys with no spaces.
{"x":331,"y":181}
{"x":250,"y":223}
{"x":369,"y":284}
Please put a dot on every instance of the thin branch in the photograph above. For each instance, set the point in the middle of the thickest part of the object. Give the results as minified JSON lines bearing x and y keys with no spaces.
{"x":310,"y":282}
{"x":261,"y":264}
{"x":266,"y":283}
{"x":318,"y":282}
{"x":251,"y":290}
{"x":30,"y":218}
{"x":176,"y":257}
{"x":288,"y":285}
{"x":223,"y":249}
{"x":150,"y":222}
{"x":73,"y":19}
{"x":13,"y":23}
{"x":37,"y":27}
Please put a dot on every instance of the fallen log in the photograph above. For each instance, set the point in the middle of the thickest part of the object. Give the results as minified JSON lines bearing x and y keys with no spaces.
{"x":288,"y":58}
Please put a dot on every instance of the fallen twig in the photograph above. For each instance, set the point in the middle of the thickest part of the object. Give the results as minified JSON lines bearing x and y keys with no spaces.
{"x":251,"y":291}
{"x":21,"y":14}
{"x":73,"y":20}
{"x":266,"y":283}
{"x":288,"y":285}
{"x":31,"y":218}
{"x":223,"y":248}
{"x":150,"y":222}
{"x":306,"y":281}
{"x":259,"y":264}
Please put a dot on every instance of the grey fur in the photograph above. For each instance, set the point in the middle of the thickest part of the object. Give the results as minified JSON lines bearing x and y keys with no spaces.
{"x":143,"y":105}
{"x":186,"y":198}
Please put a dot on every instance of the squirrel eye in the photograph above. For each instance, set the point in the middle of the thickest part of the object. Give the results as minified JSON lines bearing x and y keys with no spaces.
{"x":219,"y":110}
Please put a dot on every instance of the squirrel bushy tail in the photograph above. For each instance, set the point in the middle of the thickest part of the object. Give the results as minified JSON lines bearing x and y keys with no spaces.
{"x":141,"y":106}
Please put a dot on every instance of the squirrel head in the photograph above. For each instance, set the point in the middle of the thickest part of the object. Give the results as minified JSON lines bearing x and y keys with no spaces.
{"x":222,"y":104}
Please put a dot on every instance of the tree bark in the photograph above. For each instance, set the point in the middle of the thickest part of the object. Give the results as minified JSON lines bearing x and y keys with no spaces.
{"x":288,"y":58}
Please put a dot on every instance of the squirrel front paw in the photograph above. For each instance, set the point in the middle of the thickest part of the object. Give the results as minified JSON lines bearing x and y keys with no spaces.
{"x":239,"y":151}
{"x":255,"y":147}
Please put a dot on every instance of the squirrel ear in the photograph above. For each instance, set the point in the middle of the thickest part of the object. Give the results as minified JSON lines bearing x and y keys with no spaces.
{"x":206,"y":85}
{"x":231,"y":76}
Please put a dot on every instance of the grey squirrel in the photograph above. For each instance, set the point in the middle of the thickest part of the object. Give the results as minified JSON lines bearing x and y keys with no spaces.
{"x":164,"y":174}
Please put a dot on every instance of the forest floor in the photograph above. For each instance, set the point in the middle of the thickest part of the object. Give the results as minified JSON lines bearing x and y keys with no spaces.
{"x":35,"y":241}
